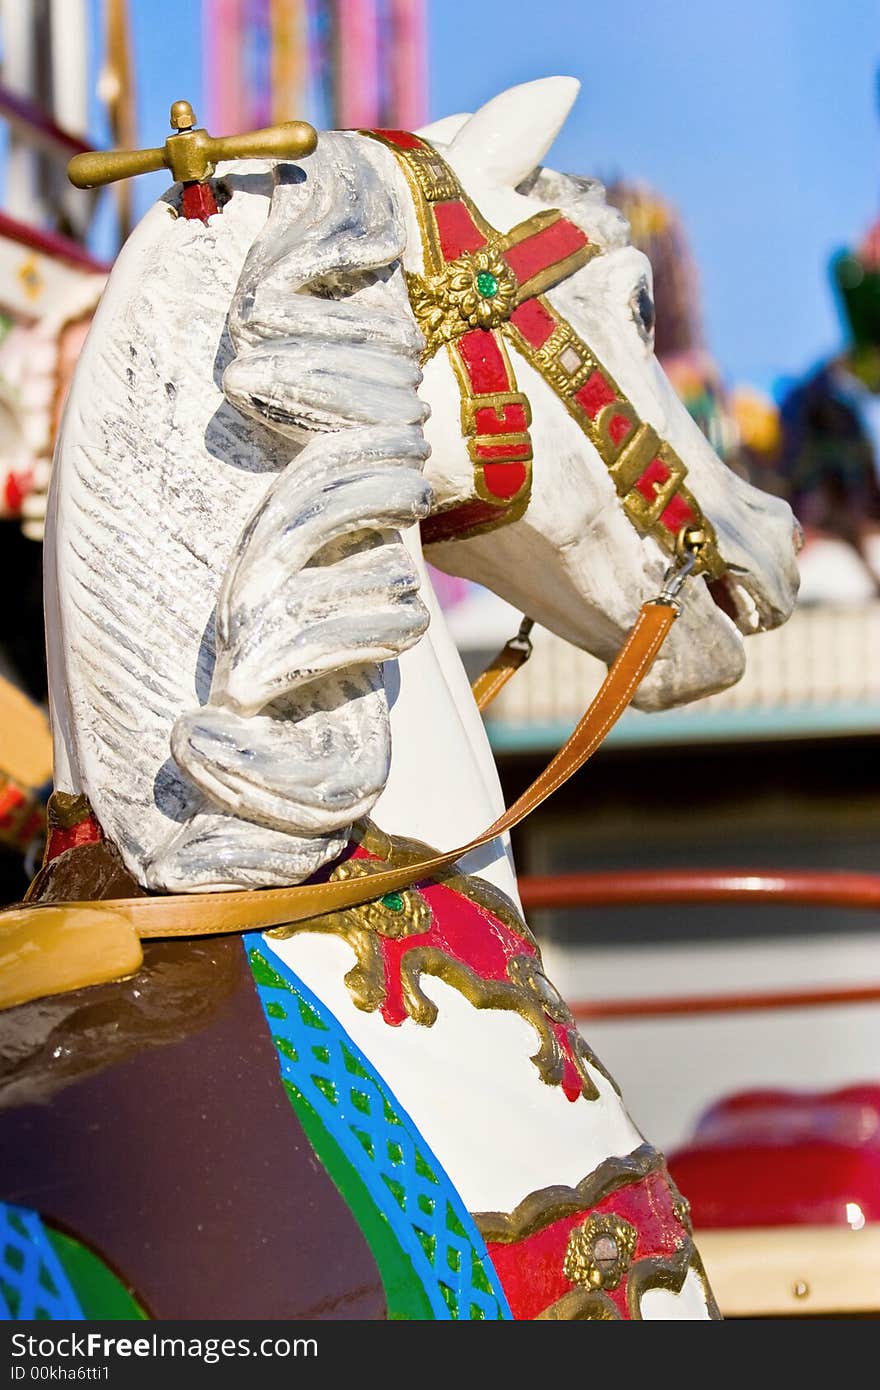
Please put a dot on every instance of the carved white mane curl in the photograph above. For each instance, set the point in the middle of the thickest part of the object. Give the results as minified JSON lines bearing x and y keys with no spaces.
{"x":279,"y":731}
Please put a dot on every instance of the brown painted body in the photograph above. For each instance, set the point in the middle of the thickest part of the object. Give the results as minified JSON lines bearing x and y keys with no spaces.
{"x":147,"y":1118}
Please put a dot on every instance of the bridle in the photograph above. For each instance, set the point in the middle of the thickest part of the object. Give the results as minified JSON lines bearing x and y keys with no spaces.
{"x":483,"y":291}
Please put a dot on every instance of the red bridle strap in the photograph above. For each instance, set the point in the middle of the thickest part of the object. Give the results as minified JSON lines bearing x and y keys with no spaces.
{"x":482,"y":291}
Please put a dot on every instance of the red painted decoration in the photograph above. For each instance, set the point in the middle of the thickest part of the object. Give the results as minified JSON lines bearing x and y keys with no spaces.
{"x":653,"y":478}
{"x":784,"y":1158}
{"x":677,"y":514}
{"x":457,"y":521}
{"x":531,"y":1270}
{"x":517,"y":452}
{"x":457,"y":230}
{"x":594,"y":394}
{"x":85,"y":832}
{"x":619,"y":427}
{"x":484,"y":362}
{"x":198,"y":201}
{"x":505,"y":419}
{"x":469,"y":933}
{"x":533,"y":322}
{"x":505,"y":479}
{"x":545,"y":248}
{"x":402,"y":139}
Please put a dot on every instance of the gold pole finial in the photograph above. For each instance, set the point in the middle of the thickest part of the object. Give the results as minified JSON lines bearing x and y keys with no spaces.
{"x":182,"y":116}
{"x":191,"y":154}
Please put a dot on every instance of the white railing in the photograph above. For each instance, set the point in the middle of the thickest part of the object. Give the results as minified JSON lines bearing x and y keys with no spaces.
{"x":820,"y":673}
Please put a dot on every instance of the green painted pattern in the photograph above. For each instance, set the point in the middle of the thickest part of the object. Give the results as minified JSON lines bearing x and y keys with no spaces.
{"x":101,"y":1293}
{"x":431,"y":1258}
{"x":404,"y":1293}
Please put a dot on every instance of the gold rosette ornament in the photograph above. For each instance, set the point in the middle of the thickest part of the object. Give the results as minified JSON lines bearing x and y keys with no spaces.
{"x":477,"y":290}
{"x":600,"y":1252}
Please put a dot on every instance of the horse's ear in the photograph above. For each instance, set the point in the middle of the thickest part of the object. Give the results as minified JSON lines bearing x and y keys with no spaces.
{"x":442,"y":132}
{"x":509,"y":136}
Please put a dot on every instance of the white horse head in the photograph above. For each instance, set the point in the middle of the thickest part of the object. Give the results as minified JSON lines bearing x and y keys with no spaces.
{"x":245,"y":441}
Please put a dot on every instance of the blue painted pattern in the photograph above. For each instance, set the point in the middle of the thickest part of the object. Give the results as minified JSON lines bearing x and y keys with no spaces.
{"x":33,"y":1284}
{"x":321,"y":1064}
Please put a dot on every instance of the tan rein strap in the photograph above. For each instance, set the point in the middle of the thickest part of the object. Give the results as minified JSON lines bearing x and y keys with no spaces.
{"x":52,"y":947}
{"x":205,"y":914}
{"x":503,"y":665}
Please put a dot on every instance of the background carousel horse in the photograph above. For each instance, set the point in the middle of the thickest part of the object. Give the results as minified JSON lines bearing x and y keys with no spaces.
{"x":37,"y":358}
{"x":247,"y":661}
{"x":828,"y":459}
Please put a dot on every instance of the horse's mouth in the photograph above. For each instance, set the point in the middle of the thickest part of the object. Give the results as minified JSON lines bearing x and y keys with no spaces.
{"x":735,"y":600}
{"x":753,"y":605}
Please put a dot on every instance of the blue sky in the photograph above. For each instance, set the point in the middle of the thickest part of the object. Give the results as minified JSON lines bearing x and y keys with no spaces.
{"x":757,"y":118}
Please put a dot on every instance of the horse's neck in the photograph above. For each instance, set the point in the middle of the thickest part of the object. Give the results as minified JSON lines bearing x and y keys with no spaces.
{"x":443,"y":788}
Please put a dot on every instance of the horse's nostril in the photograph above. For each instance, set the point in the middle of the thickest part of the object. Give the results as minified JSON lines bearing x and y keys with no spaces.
{"x":797,"y":537}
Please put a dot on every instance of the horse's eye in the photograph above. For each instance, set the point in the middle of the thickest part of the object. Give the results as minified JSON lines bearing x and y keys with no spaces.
{"x":643,"y":312}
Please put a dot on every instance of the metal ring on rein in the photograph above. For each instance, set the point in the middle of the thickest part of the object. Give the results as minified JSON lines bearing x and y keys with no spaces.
{"x":689,"y":542}
{"x":522,"y":642}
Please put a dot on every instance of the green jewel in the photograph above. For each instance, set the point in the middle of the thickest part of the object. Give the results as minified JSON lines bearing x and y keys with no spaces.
{"x":487,"y":284}
{"x":393,"y":901}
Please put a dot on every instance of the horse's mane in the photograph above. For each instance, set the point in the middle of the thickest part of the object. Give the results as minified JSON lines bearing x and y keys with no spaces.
{"x":293,"y":745}
{"x":224,"y":558}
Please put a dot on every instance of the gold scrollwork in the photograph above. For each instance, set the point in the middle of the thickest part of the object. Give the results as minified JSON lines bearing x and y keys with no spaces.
{"x":609,"y":415}
{"x":566,"y":362}
{"x":681,"y":1207}
{"x":644,"y":512}
{"x":581,"y":1305}
{"x":635,"y":454}
{"x":655,"y":1272}
{"x":477,"y":290}
{"x":540,"y":1209}
{"x":482,"y":994}
{"x":527,"y":972}
{"x":563,"y":360}
{"x":500,"y":402}
{"x":526,"y":991}
{"x":396,"y":914}
{"x":435,"y":179}
{"x":667,"y":1272}
{"x":399,"y":850}
{"x":487,"y":994}
{"x":444,"y":312}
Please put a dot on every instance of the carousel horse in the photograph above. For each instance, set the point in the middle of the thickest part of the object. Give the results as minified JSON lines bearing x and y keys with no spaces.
{"x":36,"y":363}
{"x":267,"y":754}
{"x":828,"y":459}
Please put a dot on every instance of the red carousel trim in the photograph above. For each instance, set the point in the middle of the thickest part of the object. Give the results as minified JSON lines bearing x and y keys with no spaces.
{"x":53,"y":244}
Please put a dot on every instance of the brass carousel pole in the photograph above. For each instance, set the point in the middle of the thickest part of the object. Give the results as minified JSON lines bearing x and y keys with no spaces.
{"x":117,"y":90}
